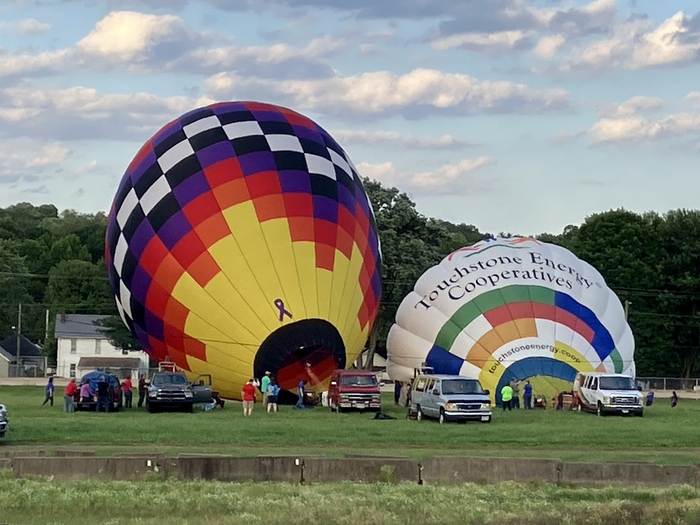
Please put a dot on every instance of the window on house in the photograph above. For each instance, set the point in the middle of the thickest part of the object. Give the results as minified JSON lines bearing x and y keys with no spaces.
{"x":98,"y":346}
{"x":73,"y":346}
{"x":72,"y":370}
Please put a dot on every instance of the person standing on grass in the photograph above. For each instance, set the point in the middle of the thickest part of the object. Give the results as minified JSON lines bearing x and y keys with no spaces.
{"x":86,"y":393}
{"x":264,"y":383}
{"x":103,"y":399}
{"x":272,"y":392}
{"x":301,"y":392}
{"x":650,"y":398}
{"x":68,"y":400}
{"x":506,"y":396}
{"x":49,"y":392}
{"x":142,"y":390}
{"x":127,"y":392}
{"x":674,"y":399}
{"x":527,"y":395}
{"x":248,"y":395}
{"x":515,"y":401}
{"x":397,"y":392}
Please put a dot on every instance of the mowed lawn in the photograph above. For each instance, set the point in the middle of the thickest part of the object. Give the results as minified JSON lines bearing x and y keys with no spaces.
{"x":157,"y":502}
{"x":663,"y":435}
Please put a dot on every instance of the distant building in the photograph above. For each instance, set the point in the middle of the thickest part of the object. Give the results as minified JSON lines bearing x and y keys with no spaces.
{"x":82,"y":348}
{"x":32,"y":361}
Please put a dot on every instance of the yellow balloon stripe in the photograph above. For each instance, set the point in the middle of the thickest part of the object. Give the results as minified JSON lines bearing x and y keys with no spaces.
{"x":276,"y":233}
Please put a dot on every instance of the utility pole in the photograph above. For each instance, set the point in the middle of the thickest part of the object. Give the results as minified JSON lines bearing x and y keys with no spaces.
{"x":19,"y":340}
{"x":627,"y":309}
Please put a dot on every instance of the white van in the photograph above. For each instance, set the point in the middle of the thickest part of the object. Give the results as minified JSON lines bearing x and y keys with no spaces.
{"x":605,"y":393}
{"x":449,"y":398}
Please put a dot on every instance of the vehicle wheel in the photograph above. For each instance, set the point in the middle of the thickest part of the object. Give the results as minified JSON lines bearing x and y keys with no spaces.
{"x":640,"y":413}
{"x":441,"y":418}
{"x":599,"y":410}
{"x":152,"y":409}
{"x":188,"y":408}
{"x":419,"y":413}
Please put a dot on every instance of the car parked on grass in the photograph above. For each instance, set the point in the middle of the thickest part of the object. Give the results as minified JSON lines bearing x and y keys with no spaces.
{"x":169,"y":388}
{"x":3,"y":420}
{"x":354,"y":389}
{"x":449,"y":398}
{"x":93,"y":378}
{"x":605,"y":393}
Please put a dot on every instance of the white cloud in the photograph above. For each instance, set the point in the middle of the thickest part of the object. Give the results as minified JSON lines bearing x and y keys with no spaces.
{"x":128,"y":36}
{"x":629,"y":107}
{"x":625,"y":124}
{"x":489,"y":42}
{"x":83,"y":113}
{"x":48,"y":62}
{"x":670,"y":43}
{"x":324,"y":46}
{"x":547,"y":46}
{"x":392,"y":138}
{"x":416,"y":94}
{"x":27,"y":158}
{"x":29,"y":26}
{"x":454,"y":179}
{"x":637,"y":44}
{"x":49,"y":154}
{"x":693,"y":99}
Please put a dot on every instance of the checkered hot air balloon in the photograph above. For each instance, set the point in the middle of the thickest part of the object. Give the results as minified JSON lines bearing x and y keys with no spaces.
{"x":241,"y":241}
{"x":507,"y":309}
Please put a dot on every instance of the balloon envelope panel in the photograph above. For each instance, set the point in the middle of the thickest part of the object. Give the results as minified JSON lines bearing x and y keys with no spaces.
{"x":508,"y":309}
{"x":241,"y":241}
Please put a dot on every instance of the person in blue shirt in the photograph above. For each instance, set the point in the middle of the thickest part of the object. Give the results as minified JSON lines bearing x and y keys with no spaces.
{"x":273,"y":391}
{"x":527,"y":395}
{"x":650,"y":398}
{"x":49,"y":392}
{"x":301,"y":391}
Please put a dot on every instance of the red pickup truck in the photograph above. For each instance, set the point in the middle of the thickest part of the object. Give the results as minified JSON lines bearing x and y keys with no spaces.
{"x":354,"y":389}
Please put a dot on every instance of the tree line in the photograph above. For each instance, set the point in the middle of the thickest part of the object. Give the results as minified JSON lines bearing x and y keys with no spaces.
{"x":51,"y":261}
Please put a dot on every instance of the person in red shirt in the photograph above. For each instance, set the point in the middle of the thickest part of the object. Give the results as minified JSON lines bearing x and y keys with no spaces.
{"x":128,"y":395}
{"x":248,"y":395}
{"x":68,"y":393}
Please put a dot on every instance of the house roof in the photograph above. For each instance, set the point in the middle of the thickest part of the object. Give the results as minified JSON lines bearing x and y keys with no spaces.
{"x":26,"y":347}
{"x":78,"y":325}
{"x":6,"y":355}
{"x":131,"y":363}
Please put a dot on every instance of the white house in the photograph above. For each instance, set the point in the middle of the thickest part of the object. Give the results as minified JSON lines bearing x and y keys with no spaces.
{"x":83,"y":348}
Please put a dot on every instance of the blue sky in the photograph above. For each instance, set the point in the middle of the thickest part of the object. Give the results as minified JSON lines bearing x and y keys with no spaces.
{"x":513,"y":115}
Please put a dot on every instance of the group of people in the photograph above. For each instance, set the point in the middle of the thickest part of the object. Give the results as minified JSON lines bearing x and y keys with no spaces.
{"x":510,"y":395}
{"x":101,"y":396}
{"x":270,"y":391}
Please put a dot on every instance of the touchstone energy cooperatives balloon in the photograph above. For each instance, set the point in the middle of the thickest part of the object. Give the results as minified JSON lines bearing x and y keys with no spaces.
{"x":506,"y":309}
{"x":241,"y":241}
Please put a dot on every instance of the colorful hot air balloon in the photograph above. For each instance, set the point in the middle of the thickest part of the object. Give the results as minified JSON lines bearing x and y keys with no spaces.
{"x":506,"y":309}
{"x":241,"y":241}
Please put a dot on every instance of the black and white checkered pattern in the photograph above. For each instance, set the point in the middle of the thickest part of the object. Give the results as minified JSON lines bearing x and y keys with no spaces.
{"x":150,"y":196}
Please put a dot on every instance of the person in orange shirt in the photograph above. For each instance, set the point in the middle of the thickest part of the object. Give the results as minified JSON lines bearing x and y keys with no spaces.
{"x":128,"y":396}
{"x":68,"y":396}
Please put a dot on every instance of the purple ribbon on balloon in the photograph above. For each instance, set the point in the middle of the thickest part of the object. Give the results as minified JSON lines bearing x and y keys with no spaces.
{"x":279,"y":304}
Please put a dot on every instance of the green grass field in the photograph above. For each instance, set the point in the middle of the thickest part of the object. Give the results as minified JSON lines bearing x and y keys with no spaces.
{"x":663,"y":435}
{"x":34,"y":502}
